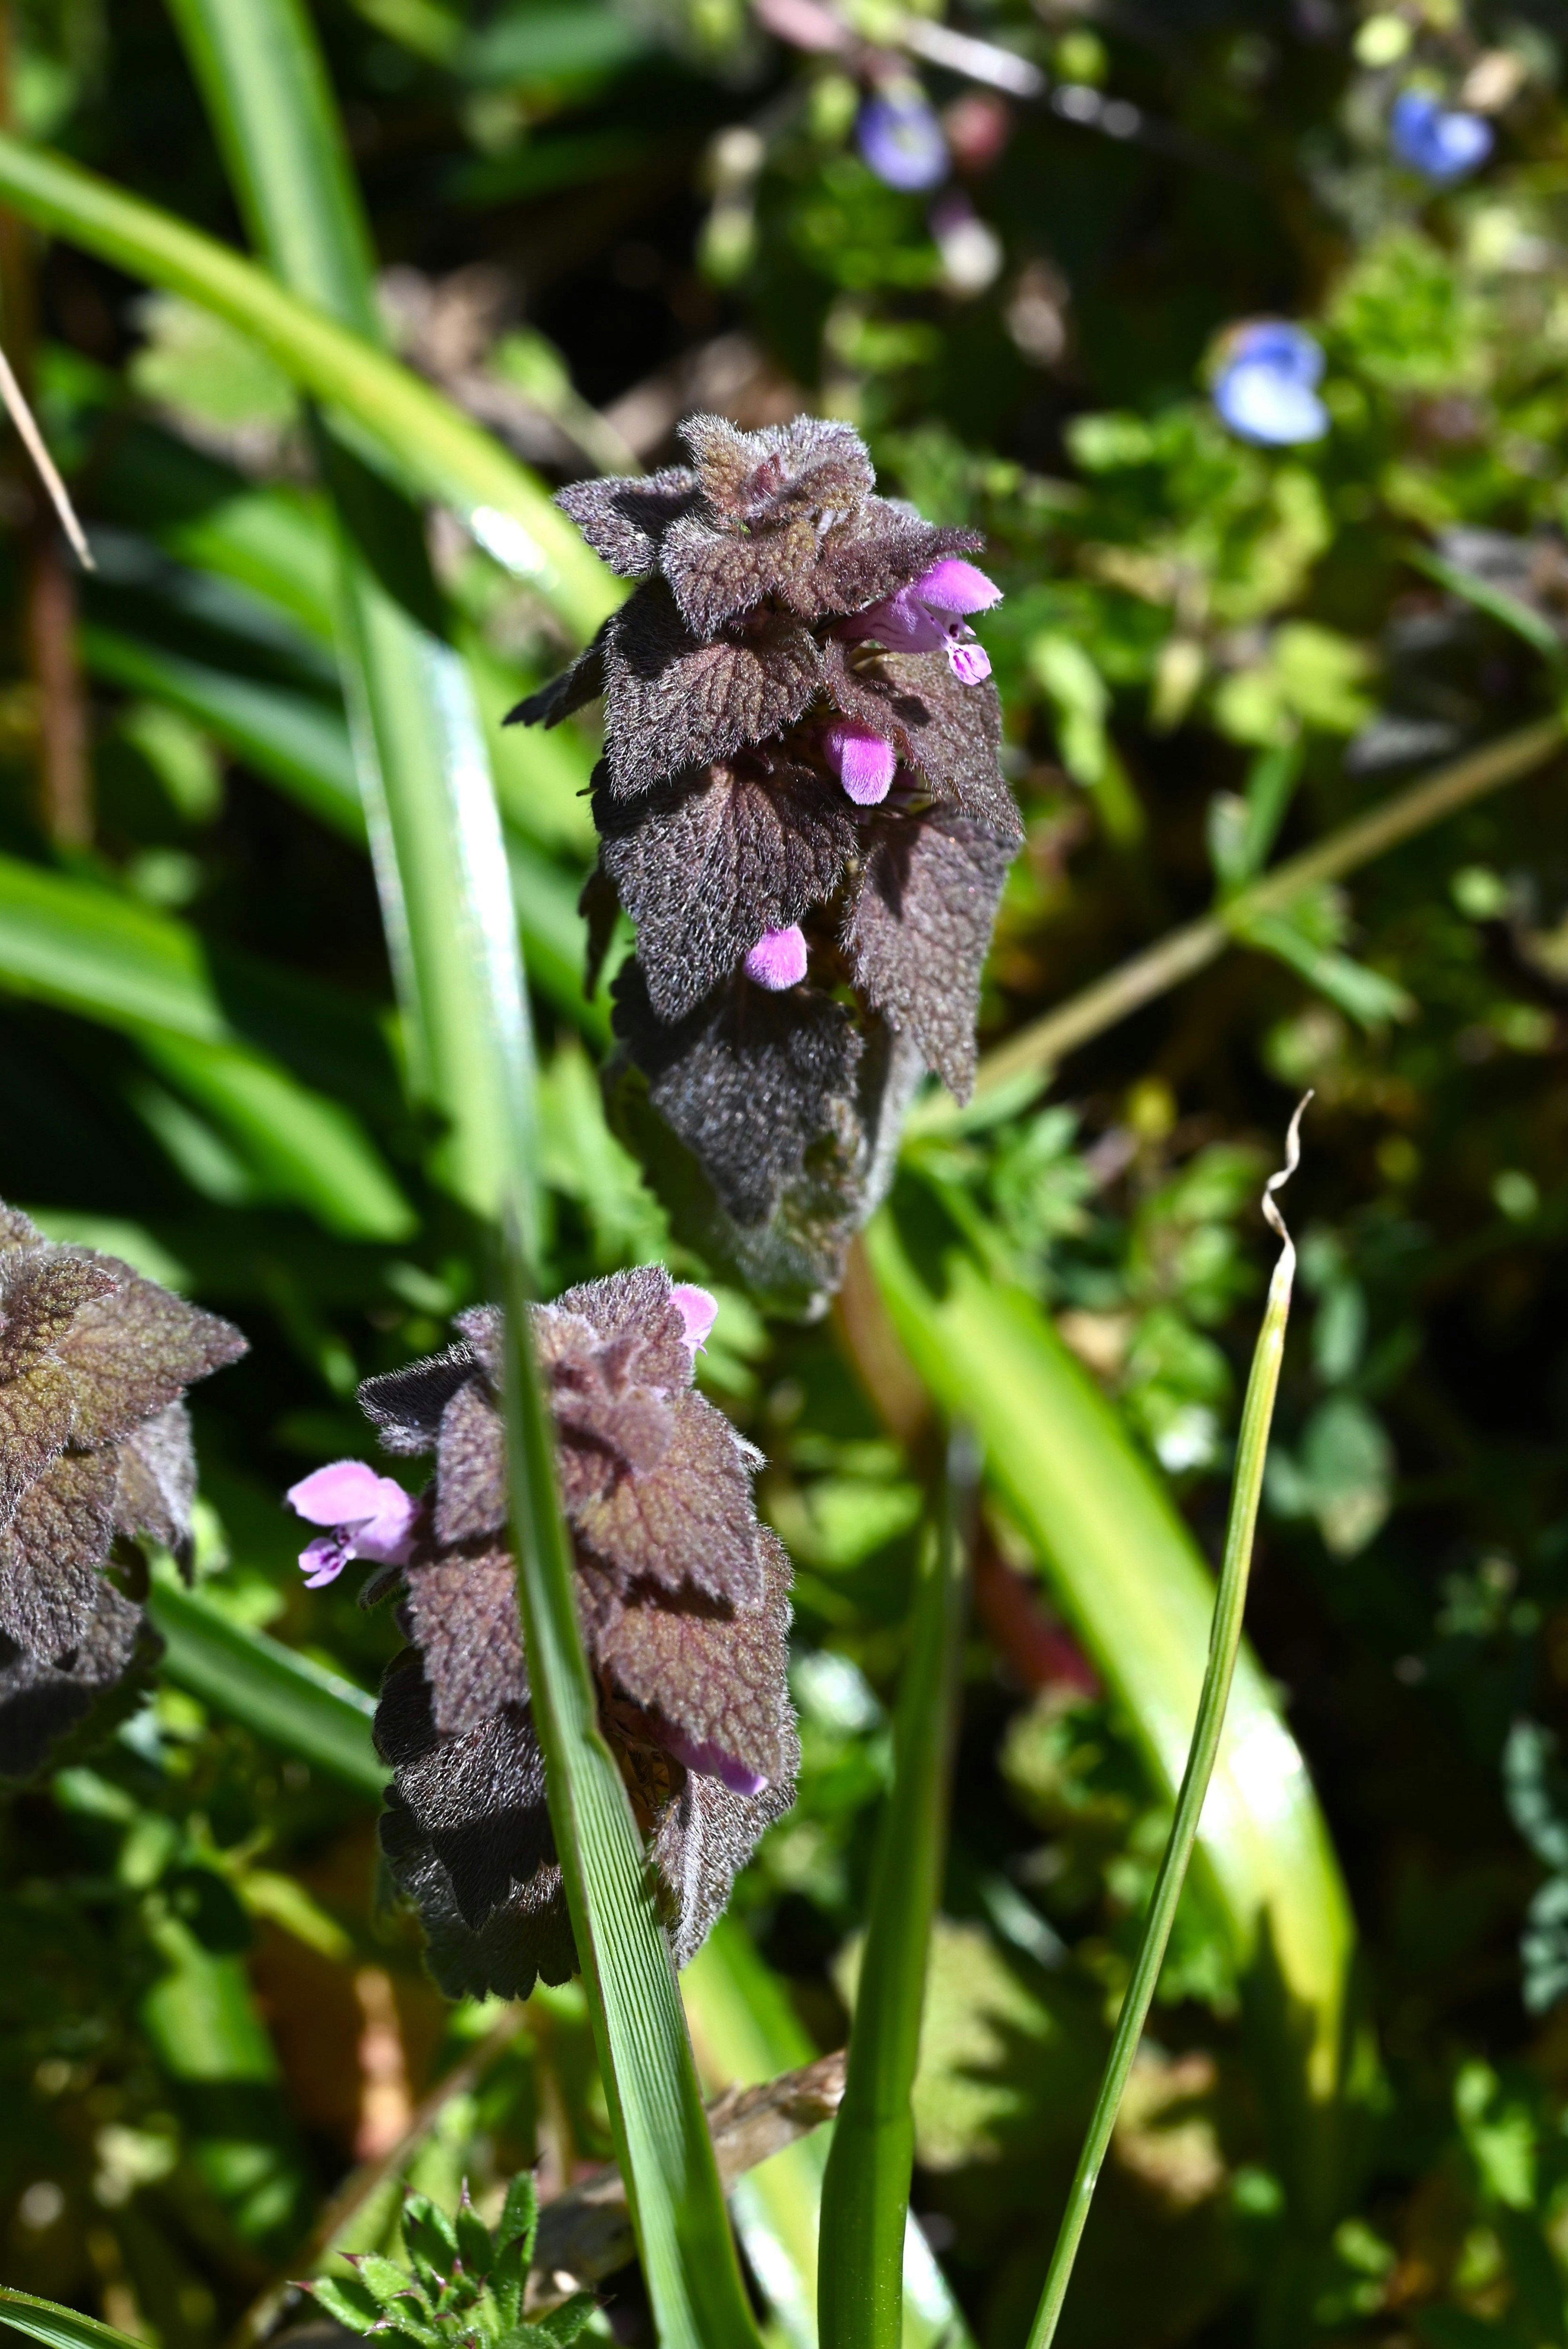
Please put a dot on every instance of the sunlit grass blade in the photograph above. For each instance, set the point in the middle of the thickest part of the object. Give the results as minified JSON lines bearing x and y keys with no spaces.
{"x":865,"y":2191}
{"x":1224,"y":1644}
{"x":651,"y":2081}
{"x":1128,"y":1576}
{"x":248,"y":1677}
{"x":90,"y":951}
{"x":57,"y":2327}
{"x":446,"y":895}
{"x":416,"y":434}
{"x":746,"y":2031}
{"x":291,"y":738}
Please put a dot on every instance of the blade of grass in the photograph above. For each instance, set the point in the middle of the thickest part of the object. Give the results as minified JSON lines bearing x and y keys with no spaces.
{"x":57,"y":2327}
{"x":242,"y":1673}
{"x":866,"y":2190}
{"x":1224,"y":1644}
{"x":1128,"y":1573}
{"x":415,"y":433}
{"x":90,"y":951}
{"x":445,"y":879}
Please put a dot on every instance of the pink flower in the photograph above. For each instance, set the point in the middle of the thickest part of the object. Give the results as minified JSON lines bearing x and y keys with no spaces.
{"x":778,"y":958}
{"x":861,"y":760}
{"x":371,"y":1518}
{"x":928,"y":617}
{"x":698,"y":1311}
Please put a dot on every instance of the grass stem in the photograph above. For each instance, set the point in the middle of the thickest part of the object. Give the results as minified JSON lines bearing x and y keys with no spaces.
{"x":1225,"y":1639}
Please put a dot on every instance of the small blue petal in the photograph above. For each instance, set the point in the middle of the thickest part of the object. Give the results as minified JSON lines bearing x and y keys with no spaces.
{"x":1261,"y":403}
{"x":1440,"y":144}
{"x":902,"y":140}
{"x":1288,"y":351}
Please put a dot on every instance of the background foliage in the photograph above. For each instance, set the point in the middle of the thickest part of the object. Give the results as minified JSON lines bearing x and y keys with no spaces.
{"x":589,"y":219}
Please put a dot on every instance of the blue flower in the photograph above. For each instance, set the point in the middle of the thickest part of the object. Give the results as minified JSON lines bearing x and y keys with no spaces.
{"x":1265,"y":387}
{"x":1439,"y":143}
{"x":901,"y":139}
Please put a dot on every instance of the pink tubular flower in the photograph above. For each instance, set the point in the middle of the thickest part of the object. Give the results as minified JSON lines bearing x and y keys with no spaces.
{"x":928,"y":617}
{"x":371,"y":1518}
{"x":778,"y":958}
{"x":861,"y":760}
{"x":698,"y":1311}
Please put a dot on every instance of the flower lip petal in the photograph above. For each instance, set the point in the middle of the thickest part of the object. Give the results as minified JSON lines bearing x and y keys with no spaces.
{"x":954,"y":586}
{"x":862,"y":759}
{"x":345,"y":1493}
{"x":971,"y":663}
{"x":778,"y":959}
{"x":323,"y":1561}
{"x":697,"y":1310}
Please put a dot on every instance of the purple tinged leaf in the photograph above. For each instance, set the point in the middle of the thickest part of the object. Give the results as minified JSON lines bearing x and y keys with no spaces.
{"x":674,"y":701}
{"x":920,"y":929}
{"x":625,"y":520}
{"x":706,"y":866}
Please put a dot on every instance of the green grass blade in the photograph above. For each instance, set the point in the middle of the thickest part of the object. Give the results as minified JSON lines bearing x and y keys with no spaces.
{"x":293,"y":739}
{"x":866,"y":2194}
{"x":746,"y":2031}
{"x":445,"y":889}
{"x":57,"y":2327}
{"x":661,"y":2137}
{"x":418,"y":435}
{"x":242,"y":1674}
{"x":1224,"y":1642}
{"x":90,"y":951}
{"x":303,"y":1148}
{"x":1127,"y":1572}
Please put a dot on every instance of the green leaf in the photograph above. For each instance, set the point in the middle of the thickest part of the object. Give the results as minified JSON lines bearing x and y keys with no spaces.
{"x":430,"y":2239}
{"x":291,"y":738}
{"x":307,"y":1150}
{"x":475,"y":2248}
{"x":1125,"y":1569}
{"x":57,"y":2327}
{"x":90,"y":951}
{"x":385,"y":2278}
{"x":419,"y":436}
{"x":282,"y":1697}
{"x":519,"y":2221}
{"x":563,"y":2324}
{"x":349,"y":2301}
{"x":865,"y":2191}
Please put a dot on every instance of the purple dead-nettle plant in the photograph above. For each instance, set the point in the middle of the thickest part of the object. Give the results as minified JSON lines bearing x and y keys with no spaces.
{"x":801,"y":807}
{"x":95,"y":1453}
{"x":683,"y":1601}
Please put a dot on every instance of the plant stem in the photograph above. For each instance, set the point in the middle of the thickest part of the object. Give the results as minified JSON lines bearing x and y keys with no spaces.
{"x":866,"y":2190}
{"x":1038,"y":1047}
{"x":1225,"y":1639}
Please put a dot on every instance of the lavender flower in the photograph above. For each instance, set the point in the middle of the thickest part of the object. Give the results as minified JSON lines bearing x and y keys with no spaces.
{"x":371,"y":1518}
{"x":778,"y":959}
{"x":1442,"y":143}
{"x":801,"y":807}
{"x":94,"y":1443}
{"x":682,"y":1596}
{"x":900,"y":137}
{"x":927,"y":618}
{"x":1265,"y":389}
